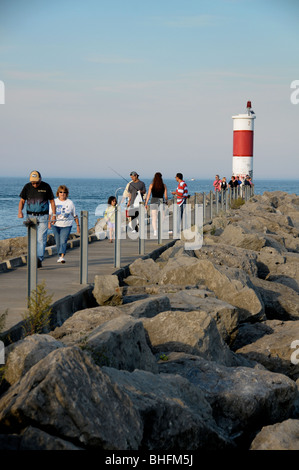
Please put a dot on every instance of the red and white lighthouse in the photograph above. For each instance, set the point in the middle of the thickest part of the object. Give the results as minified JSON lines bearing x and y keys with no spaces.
{"x":243,"y":129}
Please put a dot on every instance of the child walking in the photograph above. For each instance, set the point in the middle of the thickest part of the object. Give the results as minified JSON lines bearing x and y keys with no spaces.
{"x":109,"y":216}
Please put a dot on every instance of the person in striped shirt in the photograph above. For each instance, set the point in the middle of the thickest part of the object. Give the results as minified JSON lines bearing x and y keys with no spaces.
{"x":181,"y":192}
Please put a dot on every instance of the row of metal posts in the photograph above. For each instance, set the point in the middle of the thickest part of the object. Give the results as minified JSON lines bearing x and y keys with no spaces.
{"x":32,"y":254}
{"x":223,"y":200}
{"x":207,"y":214}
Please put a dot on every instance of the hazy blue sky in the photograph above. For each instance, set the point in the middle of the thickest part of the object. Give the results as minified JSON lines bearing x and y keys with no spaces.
{"x":147,"y":85}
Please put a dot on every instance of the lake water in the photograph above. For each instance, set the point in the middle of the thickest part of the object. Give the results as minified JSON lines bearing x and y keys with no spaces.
{"x":87,"y":194}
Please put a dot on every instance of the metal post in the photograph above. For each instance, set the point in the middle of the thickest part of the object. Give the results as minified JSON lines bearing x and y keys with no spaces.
{"x":211,"y":205}
{"x":32,"y":257}
{"x":204,"y":206}
{"x":84,"y":248}
{"x":196,"y":204}
{"x":160,"y":208}
{"x":198,"y":213}
{"x":175,"y":218}
{"x":141,"y":227}
{"x":117,"y":236}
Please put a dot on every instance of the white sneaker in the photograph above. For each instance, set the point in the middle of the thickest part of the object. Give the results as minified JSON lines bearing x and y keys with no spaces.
{"x":155,"y":233}
{"x":61,"y":260}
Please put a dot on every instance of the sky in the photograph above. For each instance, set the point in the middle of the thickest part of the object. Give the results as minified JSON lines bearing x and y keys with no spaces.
{"x":94,"y":87}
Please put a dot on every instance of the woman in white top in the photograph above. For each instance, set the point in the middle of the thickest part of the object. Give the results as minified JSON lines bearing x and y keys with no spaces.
{"x":65,"y":214}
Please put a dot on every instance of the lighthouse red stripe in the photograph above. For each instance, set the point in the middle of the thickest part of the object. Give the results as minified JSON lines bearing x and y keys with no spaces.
{"x":243,"y":144}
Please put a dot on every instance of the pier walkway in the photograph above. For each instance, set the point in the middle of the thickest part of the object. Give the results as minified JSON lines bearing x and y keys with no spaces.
{"x":64,"y":279}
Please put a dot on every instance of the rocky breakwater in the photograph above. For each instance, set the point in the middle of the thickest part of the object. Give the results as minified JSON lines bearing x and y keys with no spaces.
{"x":192,"y":351}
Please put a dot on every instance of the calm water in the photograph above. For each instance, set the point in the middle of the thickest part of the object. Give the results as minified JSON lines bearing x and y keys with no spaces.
{"x":87,"y":194}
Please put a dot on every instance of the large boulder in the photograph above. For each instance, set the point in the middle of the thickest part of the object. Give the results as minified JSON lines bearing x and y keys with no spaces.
{"x":275,"y":349}
{"x":24,"y":354}
{"x":77,"y":327}
{"x":280,"y":301}
{"x":231,"y":256}
{"x":176,"y":416}
{"x":147,"y":269}
{"x":193,"y":332}
{"x":121,"y":343}
{"x":247,"y":237}
{"x":278,"y":436}
{"x":242,"y":398}
{"x":67,"y":395}
{"x":32,"y":438}
{"x":227,"y":316}
{"x":148,"y":306}
{"x":229,"y":284}
{"x":106,"y":290}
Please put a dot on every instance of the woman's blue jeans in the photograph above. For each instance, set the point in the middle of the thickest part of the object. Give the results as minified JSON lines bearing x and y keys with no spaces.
{"x":61,"y":235}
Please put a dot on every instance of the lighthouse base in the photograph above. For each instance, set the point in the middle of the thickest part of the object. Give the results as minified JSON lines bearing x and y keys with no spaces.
{"x":242,"y":166}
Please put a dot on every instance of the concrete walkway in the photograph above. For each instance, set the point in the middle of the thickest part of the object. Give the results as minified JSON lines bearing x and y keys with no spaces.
{"x":64,"y":279}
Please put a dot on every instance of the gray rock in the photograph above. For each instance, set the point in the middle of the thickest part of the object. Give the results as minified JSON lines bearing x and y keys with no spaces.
{"x":121,"y":343}
{"x":145,"y":268}
{"x":227,"y":316}
{"x":274,"y":350}
{"x":231,"y":256}
{"x":193,"y":332}
{"x":106,"y":290}
{"x":240,"y":397}
{"x":248,"y":238}
{"x":71,"y":397}
{"x":280,"y":301}
{"x":176,"y":416}
{"x":24,"y":354}
{"x":147,"y":307}
{"x":36,"y":439}
{"x":229,"y":284}
{"x":82,"y":323}
{"x":279,"y":436}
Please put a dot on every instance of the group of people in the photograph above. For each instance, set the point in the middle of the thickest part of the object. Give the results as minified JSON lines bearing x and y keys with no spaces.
{"x":50,"y":212}
{"x":59,"y":213}
{"x":135,"y":192}
{"x":235,"y":181}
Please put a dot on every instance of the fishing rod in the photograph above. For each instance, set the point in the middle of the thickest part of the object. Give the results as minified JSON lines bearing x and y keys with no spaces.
{"x":118,"y":174}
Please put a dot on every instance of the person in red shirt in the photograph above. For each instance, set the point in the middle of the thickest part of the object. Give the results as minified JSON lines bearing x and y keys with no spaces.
{"x":181,"y":192}
{"x":217,"y":186}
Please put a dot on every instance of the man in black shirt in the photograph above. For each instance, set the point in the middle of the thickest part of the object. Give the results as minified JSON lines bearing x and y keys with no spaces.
{"x":38,"y":194}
